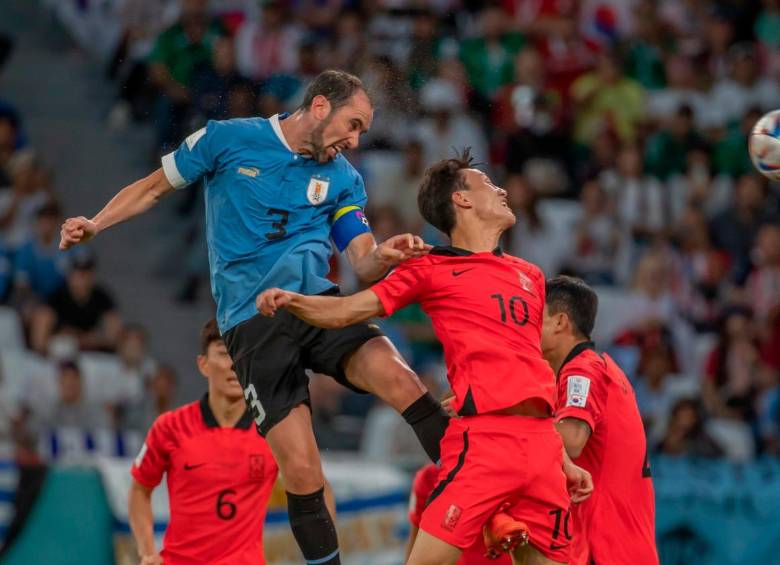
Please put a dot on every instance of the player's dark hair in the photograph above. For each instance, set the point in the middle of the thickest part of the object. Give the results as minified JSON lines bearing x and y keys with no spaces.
{"x":209,"y":333}
{"x":337,"y":86}
{"x":573,"y":297}
{"x":439,"y":182}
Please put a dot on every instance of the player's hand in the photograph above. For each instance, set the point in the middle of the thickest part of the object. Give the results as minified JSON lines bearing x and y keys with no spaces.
{"x":75,"y":231}
{"x":578,"y":481}
{"x":400,"y":248}
{"x":269,"y":301}
{"x":447,"y":405}
{"x":154,"y":559}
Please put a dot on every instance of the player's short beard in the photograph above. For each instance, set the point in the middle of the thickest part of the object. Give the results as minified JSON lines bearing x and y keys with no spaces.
{"x":315,"y":145}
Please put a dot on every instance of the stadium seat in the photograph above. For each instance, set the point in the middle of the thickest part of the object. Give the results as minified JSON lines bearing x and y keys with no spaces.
{"x":11,"y":333}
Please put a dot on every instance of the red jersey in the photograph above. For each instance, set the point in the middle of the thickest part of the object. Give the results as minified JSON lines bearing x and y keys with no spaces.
{"x":219,"y":482}
{"x":487,"y":313}
{"x":617,"y":523}
{"x":425,"y":481}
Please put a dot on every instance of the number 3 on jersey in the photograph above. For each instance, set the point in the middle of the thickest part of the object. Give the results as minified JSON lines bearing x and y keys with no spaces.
{"x":258,"y":412}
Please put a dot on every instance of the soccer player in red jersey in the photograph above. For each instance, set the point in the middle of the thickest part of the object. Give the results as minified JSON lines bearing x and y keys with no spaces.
{"x":486,"y":307}
{"x":424,"y":482}
{"x":598,"y":419}
{"x":220,"y":473}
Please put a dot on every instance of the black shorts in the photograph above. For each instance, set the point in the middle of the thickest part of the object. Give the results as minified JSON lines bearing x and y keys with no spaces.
{"x":271,"y":355}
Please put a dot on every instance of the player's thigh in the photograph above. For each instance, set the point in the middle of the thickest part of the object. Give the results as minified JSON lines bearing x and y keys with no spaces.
{"x":266,"y":355}
{"x":472,"y":484}
{"x":295,"y":450}
{"x":529,"y":555}
{"x":361,"y":358}
{"x":544,"y":501}
{"x":430,"y":550}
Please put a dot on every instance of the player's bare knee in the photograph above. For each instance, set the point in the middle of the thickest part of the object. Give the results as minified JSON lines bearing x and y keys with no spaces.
{"x":403,"y":386}
{"x":302,"y":476}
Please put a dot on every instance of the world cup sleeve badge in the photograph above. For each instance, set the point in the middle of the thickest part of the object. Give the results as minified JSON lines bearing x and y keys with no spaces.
{"x":317,"y":192}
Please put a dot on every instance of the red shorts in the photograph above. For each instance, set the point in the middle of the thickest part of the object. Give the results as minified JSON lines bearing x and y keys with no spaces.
{"x":489,"y":460}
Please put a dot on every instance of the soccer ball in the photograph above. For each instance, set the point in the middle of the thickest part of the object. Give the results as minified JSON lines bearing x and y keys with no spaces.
{"x":764,"y":145}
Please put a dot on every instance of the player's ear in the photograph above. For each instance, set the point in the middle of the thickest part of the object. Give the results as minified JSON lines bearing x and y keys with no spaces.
{"x":201,"y":361}
{"x":461,"y":198}
{"x":320,"y":107}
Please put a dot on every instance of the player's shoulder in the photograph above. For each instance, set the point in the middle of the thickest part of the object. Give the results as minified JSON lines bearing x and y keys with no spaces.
{"x":587,"y":363}
{"x":527,"y":267}
{"x":345,"y":168}
{"x":179,"y":419}
{"x":240,"y":126}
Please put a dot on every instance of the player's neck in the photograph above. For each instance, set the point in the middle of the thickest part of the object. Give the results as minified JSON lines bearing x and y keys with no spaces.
{"x":566,"y":345}
{"x":476,"y":239}
{"x":295,"y":130}
{"x":226,"y":411}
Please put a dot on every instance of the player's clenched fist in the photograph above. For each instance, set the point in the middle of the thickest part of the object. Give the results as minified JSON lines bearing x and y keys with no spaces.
{"x":75,"y":231}
{"x":269,"y":301}
{"x":402,"y":247}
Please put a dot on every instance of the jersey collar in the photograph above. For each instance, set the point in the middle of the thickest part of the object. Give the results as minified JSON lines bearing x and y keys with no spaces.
{"x":211,"y":421}
{"x":275,"y":119}
{"x":579,"y":348}
{"x":451,"y":251}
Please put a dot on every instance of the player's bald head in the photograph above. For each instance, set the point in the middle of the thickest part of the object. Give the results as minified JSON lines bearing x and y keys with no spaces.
{"x":573,"y":297}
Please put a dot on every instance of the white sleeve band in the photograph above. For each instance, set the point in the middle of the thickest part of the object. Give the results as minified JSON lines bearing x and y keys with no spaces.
{"x":172,"y":172}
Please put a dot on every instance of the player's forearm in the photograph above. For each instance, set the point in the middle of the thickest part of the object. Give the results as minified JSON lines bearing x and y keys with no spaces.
{"x":142,"y":519}
{"x":371,"y":268}
{"x":333,"y":311}
{"x":133,"y":200}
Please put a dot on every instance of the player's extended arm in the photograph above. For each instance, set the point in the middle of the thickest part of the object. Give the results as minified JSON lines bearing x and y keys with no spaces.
{"x":321,"y":311}
{"x":575,"y":434}
{"x":131,"y":201}
{"x":372,"y":262}
{"x":142,"y":523}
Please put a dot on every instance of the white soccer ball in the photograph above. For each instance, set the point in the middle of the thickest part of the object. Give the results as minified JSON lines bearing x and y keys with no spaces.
{"x":764,"y":145}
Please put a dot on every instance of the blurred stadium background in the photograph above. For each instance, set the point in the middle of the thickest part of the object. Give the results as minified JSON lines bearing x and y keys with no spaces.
{"x":617,"y":126}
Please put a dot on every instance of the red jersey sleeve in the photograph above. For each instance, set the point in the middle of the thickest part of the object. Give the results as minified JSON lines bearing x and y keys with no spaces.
{"x":404,"y":285}
{"x":154,"y":458}
{"x":582,"y":393}
{"x":422,"y":487}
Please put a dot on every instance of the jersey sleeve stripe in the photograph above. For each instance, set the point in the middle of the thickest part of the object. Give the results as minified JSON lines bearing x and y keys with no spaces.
{"x":172,"y":171}
{"x":345,"y":210}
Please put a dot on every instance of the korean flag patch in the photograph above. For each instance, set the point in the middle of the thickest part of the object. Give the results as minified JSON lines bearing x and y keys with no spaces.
{"x":577,"y":389}
{"x":317,"y":191}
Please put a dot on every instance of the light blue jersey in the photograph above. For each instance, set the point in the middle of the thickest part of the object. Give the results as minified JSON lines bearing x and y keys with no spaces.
{"x":270,"y":212}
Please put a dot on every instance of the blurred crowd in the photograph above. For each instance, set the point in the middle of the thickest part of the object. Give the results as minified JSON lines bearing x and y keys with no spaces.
{"x":618,"y":128}
{"x":72,"y":370}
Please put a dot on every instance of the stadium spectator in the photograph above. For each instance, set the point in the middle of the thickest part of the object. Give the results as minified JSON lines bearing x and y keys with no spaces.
{"x":606,"y":98}
{"x":686,"y":435}
{"x":268,"y":46}
{"x":596,"y":236}
{"x":176,"y":54}
{"x":218,"y":90}
{"x":763,"y":283}
{"x":159,"y":396}
{"x":30,"y":189}
{"x":82,"y":309}
{"x":71,"y":409}
{"x":40,"y":268}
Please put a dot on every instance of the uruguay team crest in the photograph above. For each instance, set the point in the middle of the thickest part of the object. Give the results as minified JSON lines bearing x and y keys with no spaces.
{"x":317,"y":191}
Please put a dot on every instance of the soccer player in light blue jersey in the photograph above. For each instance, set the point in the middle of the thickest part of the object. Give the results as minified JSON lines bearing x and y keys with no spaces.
{"x":278,"y":191}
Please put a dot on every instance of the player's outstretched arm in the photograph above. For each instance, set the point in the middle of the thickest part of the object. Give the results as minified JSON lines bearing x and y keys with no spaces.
{"x":321,"y":311}
{"x":142,"y":523}
{"x":372,"y":262}
{"x":131,"y":201}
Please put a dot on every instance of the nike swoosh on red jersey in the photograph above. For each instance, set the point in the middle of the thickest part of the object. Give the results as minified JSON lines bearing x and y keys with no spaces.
{"x":459,"y":273}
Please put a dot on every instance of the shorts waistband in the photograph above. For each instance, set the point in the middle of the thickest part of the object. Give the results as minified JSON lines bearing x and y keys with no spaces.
{"x":526,"y":424}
